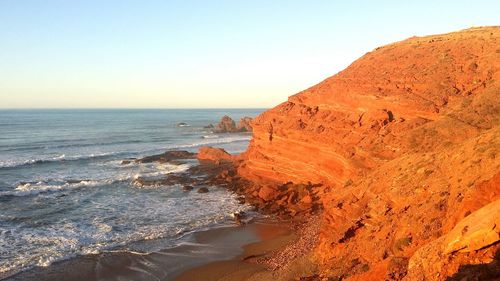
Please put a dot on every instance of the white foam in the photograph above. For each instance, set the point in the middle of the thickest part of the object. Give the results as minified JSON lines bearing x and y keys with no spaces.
{"x":160,"y":169}
{"x":28,"y":189}
{"x":62,"y":157}
{"x":209,"y":141}
{"x":210,"y":136}
{"x":170,"y":217}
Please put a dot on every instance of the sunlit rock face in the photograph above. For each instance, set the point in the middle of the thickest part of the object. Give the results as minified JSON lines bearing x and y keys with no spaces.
{"x":404,"y":142}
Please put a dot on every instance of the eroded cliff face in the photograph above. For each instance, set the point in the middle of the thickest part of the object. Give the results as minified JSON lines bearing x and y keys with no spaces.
{"x":403,"y":145}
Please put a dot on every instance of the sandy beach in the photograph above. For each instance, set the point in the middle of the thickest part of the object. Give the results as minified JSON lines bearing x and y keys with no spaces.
{"x":243,"y":266}
{"x":213,"y":253}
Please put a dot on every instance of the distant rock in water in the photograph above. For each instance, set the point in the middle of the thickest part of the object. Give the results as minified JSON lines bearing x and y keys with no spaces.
{"x":128,"y":161}
{"x":227,"y":125}
{"x":166,"y":157}
{"x":202,"y":190}
{"x":245,"y":124}
{"x":182,"y":124}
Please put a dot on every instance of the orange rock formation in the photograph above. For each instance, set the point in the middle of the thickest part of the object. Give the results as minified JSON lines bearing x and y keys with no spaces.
{"x":206,"y":153}
{"x":404,"y":146}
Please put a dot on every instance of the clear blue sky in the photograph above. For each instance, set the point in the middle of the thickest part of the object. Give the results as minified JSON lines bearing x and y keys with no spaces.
{"x":119,"y":53}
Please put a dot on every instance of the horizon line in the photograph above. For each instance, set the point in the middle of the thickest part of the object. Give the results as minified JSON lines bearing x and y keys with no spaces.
{"x":118,"y":108}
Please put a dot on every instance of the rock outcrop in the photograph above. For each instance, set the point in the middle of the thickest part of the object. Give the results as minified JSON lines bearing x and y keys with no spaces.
{"x":227,"y":125}
{"x":165,"y":157}
{"x":245,"y":124}
{"x":479,"y":230}
{"x":401,"y":151}
{"x":213,"y":154}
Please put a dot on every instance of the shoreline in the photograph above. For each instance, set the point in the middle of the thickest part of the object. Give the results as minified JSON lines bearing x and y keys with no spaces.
{"x":279,"y":258}
{"x":251,"y":249}
{"x":223,"y":244}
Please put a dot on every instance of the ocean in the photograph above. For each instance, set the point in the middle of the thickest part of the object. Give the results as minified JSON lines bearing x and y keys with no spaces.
{"x":64,"y":191}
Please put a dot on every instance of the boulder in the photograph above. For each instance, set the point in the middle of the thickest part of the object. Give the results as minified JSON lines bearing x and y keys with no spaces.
{"x":306,"y":200}
{"x":207,"y":153}
{"x":267,"y":193}
{"x":477,"y":231}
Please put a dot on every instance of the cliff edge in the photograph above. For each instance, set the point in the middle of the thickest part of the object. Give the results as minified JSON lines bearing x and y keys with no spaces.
{"x":401,"y":149}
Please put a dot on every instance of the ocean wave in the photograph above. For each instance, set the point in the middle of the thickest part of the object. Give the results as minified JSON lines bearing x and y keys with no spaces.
{"x":56,"y":185}
{"x":209,"y":141}
{"x":210,"y":136}
{"x":85,"y":234}
{"x":69,"y":145}
{"x":34,"y":188}
{"x":159,"y":169}
{"x":16,"y":163}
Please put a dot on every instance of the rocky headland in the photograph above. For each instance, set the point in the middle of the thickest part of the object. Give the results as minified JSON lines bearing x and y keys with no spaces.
{"x":397,"y":157}
{"x":388,"y":170}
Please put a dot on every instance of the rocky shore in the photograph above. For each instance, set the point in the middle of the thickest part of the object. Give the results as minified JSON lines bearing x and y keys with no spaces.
{"x":216,"y":167}
{"x":388,"y":170}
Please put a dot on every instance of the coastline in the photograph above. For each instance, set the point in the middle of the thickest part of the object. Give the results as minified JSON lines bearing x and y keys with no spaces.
{"x":225,"y":246}
{"x":248,"y":248}
{"x":281,"y":257}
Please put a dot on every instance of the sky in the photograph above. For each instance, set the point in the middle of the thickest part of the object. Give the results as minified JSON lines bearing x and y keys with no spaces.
{"x":200,"y":54}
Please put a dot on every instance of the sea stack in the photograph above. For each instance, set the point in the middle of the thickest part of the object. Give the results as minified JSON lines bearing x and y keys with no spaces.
{"x":228,"y":125}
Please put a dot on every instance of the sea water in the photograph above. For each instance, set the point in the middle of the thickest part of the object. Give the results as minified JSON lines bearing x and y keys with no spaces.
{"x":64,"y":191}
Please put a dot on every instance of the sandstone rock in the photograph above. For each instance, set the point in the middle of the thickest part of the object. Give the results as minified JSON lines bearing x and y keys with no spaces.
{"x":267,"y":193}
{"x":227,"y":125}
{"x":245,"y":124}
{"x":306,"y":200}
{"x":478,"y":230}
{"x":187,"y":188}
{"x":213,"y":154}
{"x":405,"y":144}
{"x":401,"y":81}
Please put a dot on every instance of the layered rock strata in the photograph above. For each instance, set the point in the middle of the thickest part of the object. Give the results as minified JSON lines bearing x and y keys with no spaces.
{"x":401,"y":151}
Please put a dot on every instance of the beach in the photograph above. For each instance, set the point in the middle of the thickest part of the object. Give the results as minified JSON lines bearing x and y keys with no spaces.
{"x":211,"y":253}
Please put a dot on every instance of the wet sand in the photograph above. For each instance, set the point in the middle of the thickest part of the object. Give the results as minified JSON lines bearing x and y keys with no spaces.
{"x":213,"y":252}
{"x":242,"y":267}
{"x":276,"y":257}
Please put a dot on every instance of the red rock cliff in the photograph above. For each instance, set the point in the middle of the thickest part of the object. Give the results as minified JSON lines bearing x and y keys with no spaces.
{"x":405,"y":142}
